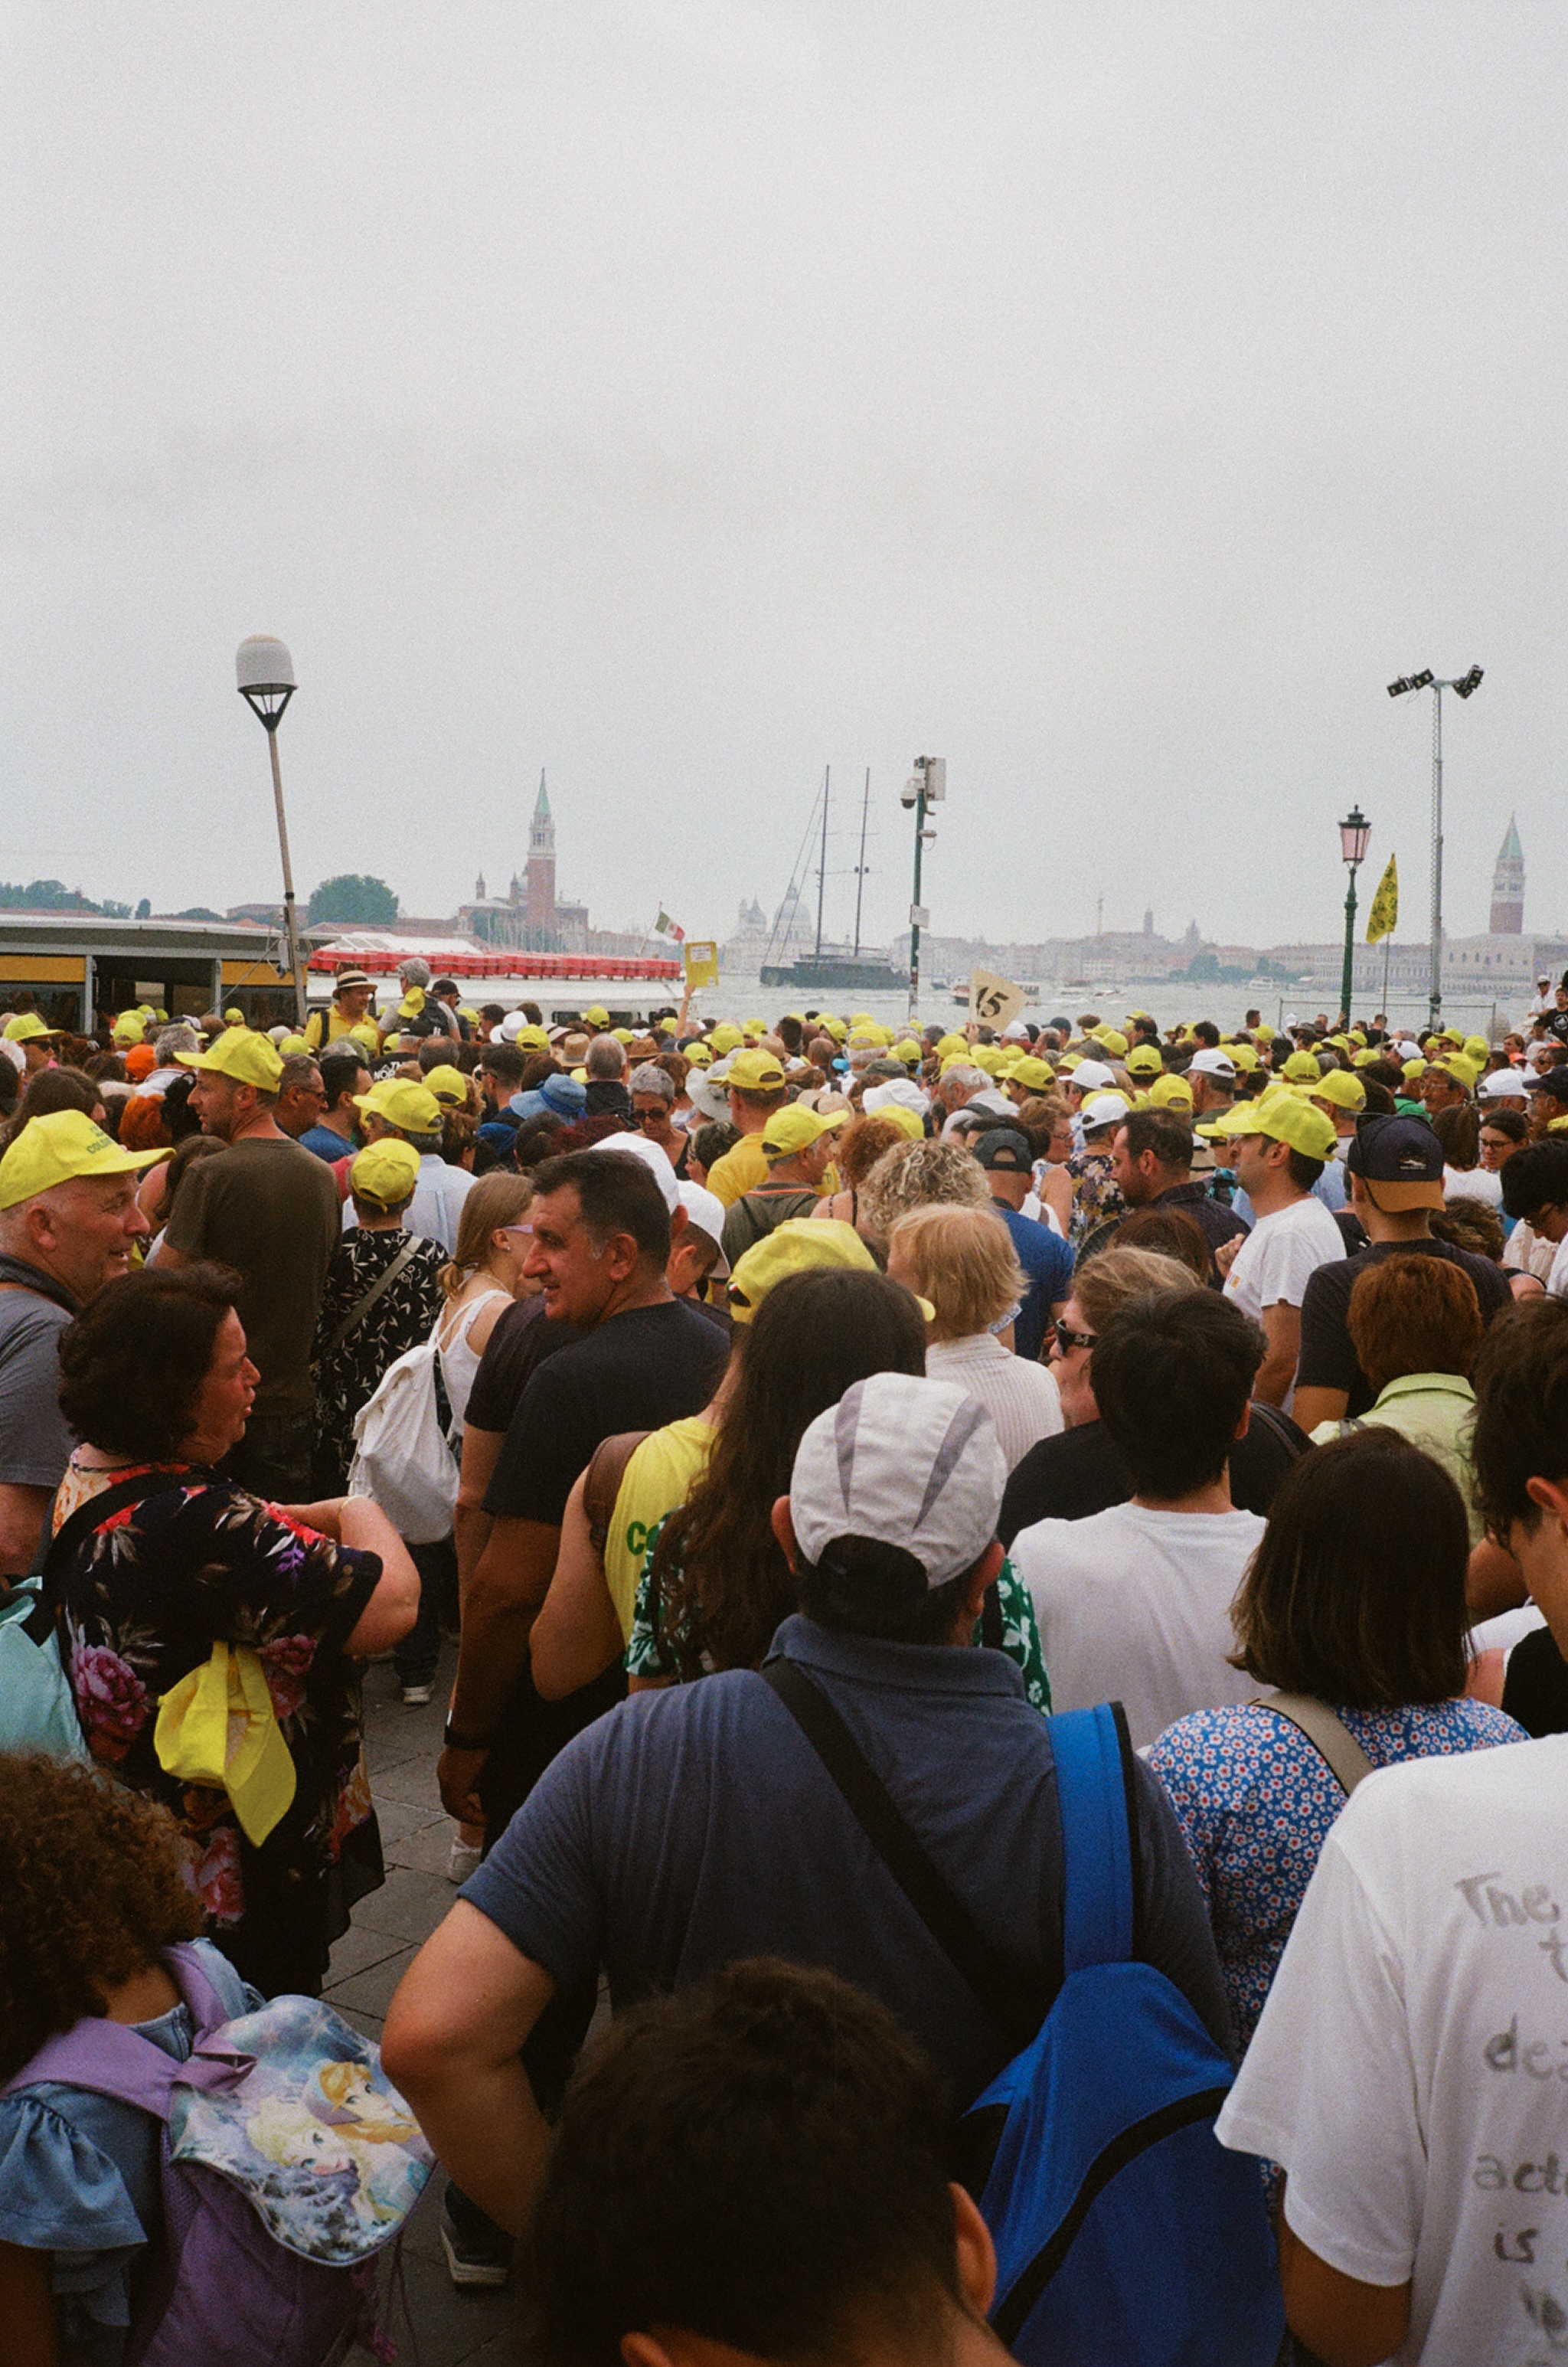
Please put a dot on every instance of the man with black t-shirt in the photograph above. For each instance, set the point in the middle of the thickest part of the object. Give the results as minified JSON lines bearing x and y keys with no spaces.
{"x":601,"y":1243}
{"x":1394,"y":1169}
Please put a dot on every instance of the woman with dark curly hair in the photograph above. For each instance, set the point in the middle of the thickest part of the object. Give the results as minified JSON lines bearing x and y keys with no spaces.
{"x":157,"y":1563}
{"x":95,"y":1885}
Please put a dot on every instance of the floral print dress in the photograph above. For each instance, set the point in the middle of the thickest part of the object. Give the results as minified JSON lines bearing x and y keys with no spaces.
{"x":142,"y":1601}
{"x":348,"y":1374}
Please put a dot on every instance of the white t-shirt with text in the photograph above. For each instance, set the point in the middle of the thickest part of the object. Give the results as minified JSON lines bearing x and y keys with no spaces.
{"x":1411,"y":2068}
{"x":1134,"y":1605}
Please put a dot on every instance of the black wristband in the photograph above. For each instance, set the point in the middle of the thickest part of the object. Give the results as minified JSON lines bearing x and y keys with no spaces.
{"x":456,"y":1741}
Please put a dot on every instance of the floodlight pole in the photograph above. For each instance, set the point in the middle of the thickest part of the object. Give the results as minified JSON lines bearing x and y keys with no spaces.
{"x":915,"y":904}
{"x":266,"y":684}
{"x":1464,"y":685}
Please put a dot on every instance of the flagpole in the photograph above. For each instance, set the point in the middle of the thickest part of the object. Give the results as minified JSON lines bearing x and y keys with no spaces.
{"x":1387,"y":949}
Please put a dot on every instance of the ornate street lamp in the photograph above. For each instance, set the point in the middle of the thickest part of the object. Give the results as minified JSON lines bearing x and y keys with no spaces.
{"x":1354,"y":832}
{"x":265,"y":674}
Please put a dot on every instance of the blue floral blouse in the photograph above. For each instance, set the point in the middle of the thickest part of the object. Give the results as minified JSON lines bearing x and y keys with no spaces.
{"x":1255,"y":1801}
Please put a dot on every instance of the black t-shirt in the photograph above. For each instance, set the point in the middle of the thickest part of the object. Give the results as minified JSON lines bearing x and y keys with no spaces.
{"x":1536,"y":1688}
{"x":637,"y":1371}
{"x":1080,"y":1472}
{"x":1327,"y":1359}
{"x":521,"y":1339}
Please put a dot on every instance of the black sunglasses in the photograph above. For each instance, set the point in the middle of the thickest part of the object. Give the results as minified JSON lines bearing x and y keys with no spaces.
{"x":1066,"y":1340}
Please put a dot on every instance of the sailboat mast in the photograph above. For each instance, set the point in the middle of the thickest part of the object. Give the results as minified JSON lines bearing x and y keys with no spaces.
{"x":822,"y":866}
{"x":860,"y":873}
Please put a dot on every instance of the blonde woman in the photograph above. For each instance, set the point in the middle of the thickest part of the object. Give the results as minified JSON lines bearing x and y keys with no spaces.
{"x":960,"y":1262}
{"x":482,"y":1280}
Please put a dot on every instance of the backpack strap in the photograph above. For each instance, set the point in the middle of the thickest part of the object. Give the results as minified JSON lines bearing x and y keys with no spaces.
{"x":601,"y":1484}
{"x":1093,"y":1753}
{"x":361,"y":1307}
{"x":1327,"y":1733}
{"x":1006,"y":1985}
{"x":1286,"y":1433}
{"x":94,"y":1514}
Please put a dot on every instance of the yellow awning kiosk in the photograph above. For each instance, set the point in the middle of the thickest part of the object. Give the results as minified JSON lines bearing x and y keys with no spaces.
{"x":79,"y":970}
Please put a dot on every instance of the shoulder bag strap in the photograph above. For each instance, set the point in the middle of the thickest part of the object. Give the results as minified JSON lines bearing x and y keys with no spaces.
{"x":1328,"y":1734}
{"x":1006,"y":1987}
{"x":1290,"y":1434}
{"x":361,"y":1307}
{"x":606,"y":1470}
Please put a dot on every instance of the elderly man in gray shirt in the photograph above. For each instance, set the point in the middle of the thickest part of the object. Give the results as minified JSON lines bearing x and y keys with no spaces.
{"x":68,"y":1217}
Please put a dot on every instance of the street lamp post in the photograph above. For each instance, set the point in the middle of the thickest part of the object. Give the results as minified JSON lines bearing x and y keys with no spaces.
{"x":1354,"y":832}
{"x":1464,"y":686}
{"x":926,"y":787}
{"x":266,"y":682}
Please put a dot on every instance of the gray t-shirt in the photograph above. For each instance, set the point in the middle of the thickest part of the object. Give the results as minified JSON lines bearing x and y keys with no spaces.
{"x":35,"y":1444}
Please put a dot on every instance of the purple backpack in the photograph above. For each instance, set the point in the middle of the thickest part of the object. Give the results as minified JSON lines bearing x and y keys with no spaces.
{"x":219,"y":2289}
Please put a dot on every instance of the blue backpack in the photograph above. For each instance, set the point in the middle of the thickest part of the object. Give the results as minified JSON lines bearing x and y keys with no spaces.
{"x":1126,"y":2235}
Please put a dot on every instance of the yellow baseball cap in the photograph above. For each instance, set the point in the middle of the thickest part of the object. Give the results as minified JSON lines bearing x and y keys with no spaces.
{"x":989,"y":1057}
{"x":908,"y":1121}
{"x":535,"y":1038}
{"x":1143,"y":1061}
{"x":699,"y":1055}
{"x":291,"y":1045}
{"x":1114,"y":1042}
{"x":235,"y":1017}
{"x":835,"y":1028}
{"x":128,"y":1028}
{"x":906,"y":1050}
{"x":667,"y":1025}
{"x":449,"y":1086}
{"x":61,"y":1147}
{"x":1338,"y":1086}
{"x":411,"y":1108}
{"x":412,"y":1003}
{"x":754,"y":1071}
{"x":596,"y":1015}
{"x":795,"y":1127}
{"x":1302,"y":1068}
{"x":385,"y":1171}
{"x":799,"y":1246}
{"x":1283,"y":1117}
{"x":724,"y":1037}
{"x":1477,"y":1049}
{"x":1027,"y":1070}
{"x":240,"y":1053}
{"x":29,"y":1028}
{"x":1170,"y":1092}
{"x":950,"y":1043}
{"x":1367,"y":1054}
{"x":1462,"y":1070}
{"x":367,"y":1033}
{"x":623,"y":1035}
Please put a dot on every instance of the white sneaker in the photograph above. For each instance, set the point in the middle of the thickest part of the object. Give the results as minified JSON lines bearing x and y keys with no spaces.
{"x":415,"y":1696}
{"x":463,"y":1859}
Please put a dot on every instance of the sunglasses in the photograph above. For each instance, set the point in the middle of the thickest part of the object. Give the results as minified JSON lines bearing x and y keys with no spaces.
{"x":1067,"y":1339}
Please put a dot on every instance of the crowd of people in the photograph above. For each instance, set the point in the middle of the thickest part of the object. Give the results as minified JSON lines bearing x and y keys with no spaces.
{"x":798,"y":1396}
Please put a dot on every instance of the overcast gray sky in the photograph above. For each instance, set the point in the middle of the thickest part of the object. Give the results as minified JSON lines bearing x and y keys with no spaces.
{"x":683,"y":394}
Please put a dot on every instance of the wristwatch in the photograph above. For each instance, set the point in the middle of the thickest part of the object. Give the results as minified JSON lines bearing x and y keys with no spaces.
{"x":456,"y":1741}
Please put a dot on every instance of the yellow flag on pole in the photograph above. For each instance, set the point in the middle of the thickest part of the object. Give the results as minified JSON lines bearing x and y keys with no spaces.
{"x":1383,"y":918}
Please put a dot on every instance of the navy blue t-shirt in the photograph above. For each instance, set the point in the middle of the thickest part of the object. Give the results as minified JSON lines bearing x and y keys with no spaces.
{"x":1047,"y":1261}
{"x":691,"y":1827}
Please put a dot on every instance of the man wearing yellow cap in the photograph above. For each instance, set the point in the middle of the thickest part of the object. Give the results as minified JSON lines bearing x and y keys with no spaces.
{"x":754,"y":1082}
{"x":37,"y":1042}
{"x":68,"y":1218}
{"x":412,"y":1113}
{"x":269,"y":1210}
{"x":1278,"y":1147}
{"x":797,"y":1144}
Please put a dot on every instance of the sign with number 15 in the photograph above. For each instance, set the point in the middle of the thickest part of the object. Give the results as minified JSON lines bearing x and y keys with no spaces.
{"x":994,"y":1001}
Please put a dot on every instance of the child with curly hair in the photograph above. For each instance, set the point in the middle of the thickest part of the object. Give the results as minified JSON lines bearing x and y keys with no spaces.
{"x":95,"y":1883}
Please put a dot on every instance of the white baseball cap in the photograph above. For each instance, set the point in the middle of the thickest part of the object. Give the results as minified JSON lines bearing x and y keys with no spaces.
{"x":705,"y":1213}
{"x":911,"y":1461}
{"x":1502,"y":1085}
{"x":652,"y":1158}
{"x":901,"y":1090}
{"x":1211,"y":1063}
{"x":1091,"y":1076}
{"x":1101,"y":1110}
